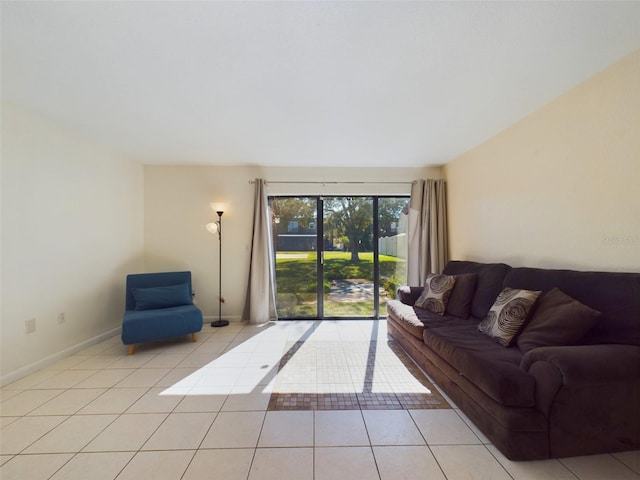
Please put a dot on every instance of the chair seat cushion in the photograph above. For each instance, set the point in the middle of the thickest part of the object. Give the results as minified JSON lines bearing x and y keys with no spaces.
{"x":140,"y":326}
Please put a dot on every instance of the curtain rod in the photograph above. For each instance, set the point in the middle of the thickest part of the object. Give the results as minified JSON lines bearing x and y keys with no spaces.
{"x":334,"y":182}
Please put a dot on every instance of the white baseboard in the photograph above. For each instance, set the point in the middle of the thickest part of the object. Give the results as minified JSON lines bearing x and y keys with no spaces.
{"x":56,"y":357}
{"x":209,"y":319}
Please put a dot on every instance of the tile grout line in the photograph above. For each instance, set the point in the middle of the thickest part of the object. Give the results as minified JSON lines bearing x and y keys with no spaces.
{"x":75,"y":454}
{"x":366,"y":428}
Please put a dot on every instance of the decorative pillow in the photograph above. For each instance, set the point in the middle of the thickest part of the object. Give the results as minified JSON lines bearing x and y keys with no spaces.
{"x":461,"y":296}
{"x":162,"y":297}
{"x":436,"y":293}
{"x":558,"y":320}
{"x":508,"y":314}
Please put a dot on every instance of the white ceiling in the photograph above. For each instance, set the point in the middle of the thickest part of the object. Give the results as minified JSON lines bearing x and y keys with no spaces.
{"x":302,"y":83}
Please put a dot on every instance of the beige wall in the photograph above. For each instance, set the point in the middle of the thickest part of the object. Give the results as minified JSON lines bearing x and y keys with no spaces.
{"x":558,"y":189}
{"x":177,"y":207}
{"x":72,"y":223}
{"x":561,"y":188}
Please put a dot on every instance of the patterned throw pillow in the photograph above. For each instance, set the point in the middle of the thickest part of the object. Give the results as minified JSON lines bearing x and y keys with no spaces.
{"x":508,"y":314}
{"x":436,"y":293}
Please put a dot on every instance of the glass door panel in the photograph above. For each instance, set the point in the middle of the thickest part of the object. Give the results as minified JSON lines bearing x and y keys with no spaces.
{"x":348,"y":257}
{"x":392,"y":246}
{"x":294,"y":227}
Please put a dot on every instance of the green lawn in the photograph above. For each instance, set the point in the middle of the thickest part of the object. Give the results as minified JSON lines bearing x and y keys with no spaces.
{"x":296,"y":279}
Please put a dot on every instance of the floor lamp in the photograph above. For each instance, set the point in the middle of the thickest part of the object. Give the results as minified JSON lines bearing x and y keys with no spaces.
{"x":216,"y":227}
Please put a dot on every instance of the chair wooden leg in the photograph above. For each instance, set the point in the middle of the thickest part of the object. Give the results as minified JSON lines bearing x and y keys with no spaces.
{"x":194,"y":338}
{"x":132,"y":348}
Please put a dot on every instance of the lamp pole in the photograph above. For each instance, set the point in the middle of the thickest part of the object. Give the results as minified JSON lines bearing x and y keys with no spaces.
{"x":220,"y":322}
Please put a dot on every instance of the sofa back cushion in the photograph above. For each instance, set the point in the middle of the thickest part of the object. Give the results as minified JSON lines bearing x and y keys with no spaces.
{"x":558,"y":319}
{"x":489,"y":282}
{"x":615,"y":295}
{"x":462,"y":295}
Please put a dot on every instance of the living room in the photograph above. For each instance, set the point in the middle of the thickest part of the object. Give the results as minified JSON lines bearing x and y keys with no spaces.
{"x":554,"y":188}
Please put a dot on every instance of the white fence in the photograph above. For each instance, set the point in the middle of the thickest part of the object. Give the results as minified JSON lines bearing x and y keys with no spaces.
{"x":395,"y":246}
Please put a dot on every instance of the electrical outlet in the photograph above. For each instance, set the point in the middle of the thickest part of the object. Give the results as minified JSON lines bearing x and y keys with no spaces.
{"x":30,"y":325}
{"x":61,"y":318}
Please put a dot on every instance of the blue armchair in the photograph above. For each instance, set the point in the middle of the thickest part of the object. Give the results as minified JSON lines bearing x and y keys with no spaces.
{"x":159,"y":306}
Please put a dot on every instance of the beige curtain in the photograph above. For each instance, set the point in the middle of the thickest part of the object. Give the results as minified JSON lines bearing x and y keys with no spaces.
{"x":260,"y":303}
{"x":427,"y":232}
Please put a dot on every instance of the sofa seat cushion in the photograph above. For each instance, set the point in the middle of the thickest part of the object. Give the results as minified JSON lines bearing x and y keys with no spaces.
{"x":406,"y":317}
{"x":492,"y":368}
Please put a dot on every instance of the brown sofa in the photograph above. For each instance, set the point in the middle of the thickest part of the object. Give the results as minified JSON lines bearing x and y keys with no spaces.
{"x":539,"y":399}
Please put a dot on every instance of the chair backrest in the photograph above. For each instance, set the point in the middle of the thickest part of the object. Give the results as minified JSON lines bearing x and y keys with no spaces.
{"x":149,"y":280}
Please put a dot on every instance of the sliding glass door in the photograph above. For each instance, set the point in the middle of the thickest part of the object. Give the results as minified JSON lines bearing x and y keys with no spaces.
{"x":348,"y":257}
{"x":391,"y":238}
{"x":295,"y":244}
{"x":339,"y":256}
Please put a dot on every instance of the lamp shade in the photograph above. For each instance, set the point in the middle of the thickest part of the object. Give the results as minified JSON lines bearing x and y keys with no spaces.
{"x":217,"y":207}
{"x":212,"y":227}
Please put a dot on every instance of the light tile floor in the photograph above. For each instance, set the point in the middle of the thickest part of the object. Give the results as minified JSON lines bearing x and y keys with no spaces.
{"x":184,"y":410}
{"x":350,"y":375}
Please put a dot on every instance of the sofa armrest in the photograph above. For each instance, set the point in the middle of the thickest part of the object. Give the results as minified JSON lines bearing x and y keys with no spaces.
{"x":589,"y":394}
{"x":586,"y":364}
{"x":580,"y":367}
{"x":408,"y":295}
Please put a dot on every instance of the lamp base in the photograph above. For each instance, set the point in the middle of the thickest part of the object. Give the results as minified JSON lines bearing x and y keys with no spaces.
{"x":220,"y":323}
